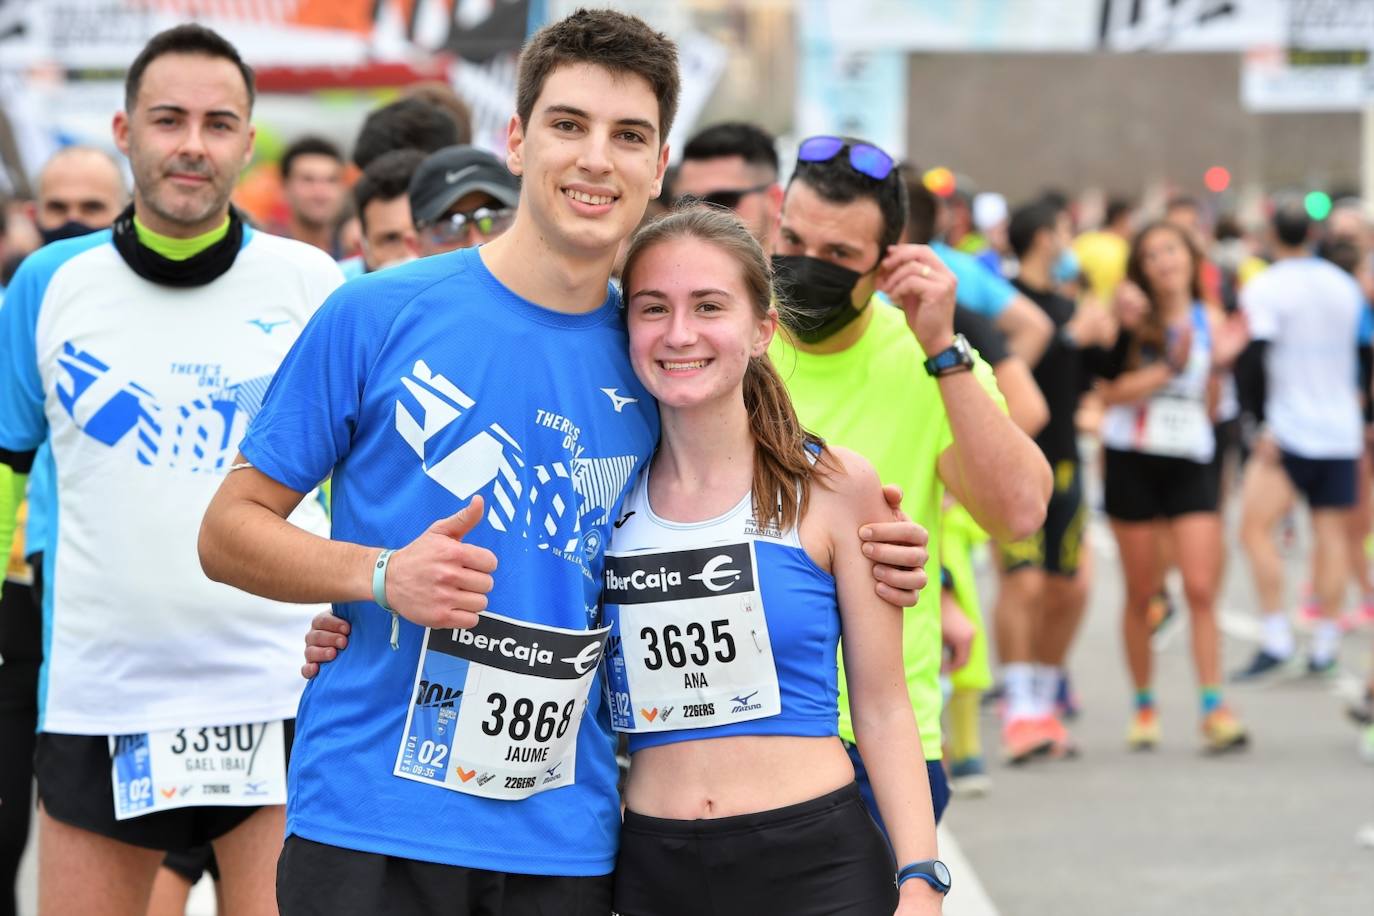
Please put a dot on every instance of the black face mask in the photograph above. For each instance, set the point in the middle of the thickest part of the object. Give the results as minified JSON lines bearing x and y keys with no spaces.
{"x":69,"y":230}
{"x":818,"y":295}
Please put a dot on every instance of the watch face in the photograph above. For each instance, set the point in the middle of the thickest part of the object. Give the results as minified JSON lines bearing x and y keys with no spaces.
{"x":941,"y":872}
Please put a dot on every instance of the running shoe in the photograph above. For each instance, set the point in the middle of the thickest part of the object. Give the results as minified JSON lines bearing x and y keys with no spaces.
{"x":1064,"y":746}
{"x":1362,"y":712}
{"x":969,"y":778}
{"x":1222,"y":732}
{"x":1160,"y":611}
{"x":1325,"y":669}
{"x":1359,"y":617}
{"x":1065,"y":700}
{"x":1262,"y":667}
{"x":1023,"y":739}
{"x":1143,"y":735}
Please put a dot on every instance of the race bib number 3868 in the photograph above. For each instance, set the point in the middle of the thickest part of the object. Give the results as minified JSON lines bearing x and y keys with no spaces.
{"x":497,"y":708}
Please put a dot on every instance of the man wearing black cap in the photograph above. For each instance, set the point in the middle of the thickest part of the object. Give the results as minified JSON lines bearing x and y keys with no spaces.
{"x":461,"y":196}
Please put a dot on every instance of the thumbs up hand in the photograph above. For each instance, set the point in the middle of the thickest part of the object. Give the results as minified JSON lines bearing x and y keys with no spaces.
{"x":437,"y":580}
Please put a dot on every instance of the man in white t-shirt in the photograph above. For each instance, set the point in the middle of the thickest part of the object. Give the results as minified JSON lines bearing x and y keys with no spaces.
{"x":1302,"y":382}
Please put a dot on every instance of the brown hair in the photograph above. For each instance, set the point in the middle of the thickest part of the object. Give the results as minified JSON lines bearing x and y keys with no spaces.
{"x":620,"y":43}
{"x":783,"y":468}
{"x":1152,"y":332}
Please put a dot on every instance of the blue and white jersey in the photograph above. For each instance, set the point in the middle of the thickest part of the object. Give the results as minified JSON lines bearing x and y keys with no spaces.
{"x":419,"y":387}
{"x":143,"y":392}
{"x":721,"y":627}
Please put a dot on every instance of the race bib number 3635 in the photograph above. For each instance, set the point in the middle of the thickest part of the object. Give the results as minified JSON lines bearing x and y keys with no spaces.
{"x":235,"y":765}
{"x":497,"y":708}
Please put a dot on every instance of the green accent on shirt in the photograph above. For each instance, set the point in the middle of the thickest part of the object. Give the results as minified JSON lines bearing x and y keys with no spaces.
{"x":11,"y":532}
{"x":179,"y":249}
{"x":877,"y":399}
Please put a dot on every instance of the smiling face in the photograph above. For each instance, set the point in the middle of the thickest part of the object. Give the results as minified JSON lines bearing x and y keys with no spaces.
{"x":693,"y":326}
{"x":1166,"y":262}
{"x":590,"y":157}
{"x":187,"y":138}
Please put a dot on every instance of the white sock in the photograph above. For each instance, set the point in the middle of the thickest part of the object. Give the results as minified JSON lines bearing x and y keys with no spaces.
{"x":1326,"y":641}
{"x":1278,"y":635}
{"x":1045,"y":689}
{"x":1019,"y":677}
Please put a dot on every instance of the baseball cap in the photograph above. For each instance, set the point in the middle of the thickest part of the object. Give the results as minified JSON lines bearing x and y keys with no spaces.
{"x":448,"y":174}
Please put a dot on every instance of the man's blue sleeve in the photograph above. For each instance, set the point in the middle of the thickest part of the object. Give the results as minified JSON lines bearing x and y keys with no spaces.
{"x":980,"y":290}
{"x":310,"y":411}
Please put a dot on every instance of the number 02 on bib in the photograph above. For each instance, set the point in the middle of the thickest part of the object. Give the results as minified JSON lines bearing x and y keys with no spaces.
{"x":689,"y":643}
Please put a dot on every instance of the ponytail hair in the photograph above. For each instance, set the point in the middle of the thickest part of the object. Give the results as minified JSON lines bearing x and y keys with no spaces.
{"x":786,"y":456}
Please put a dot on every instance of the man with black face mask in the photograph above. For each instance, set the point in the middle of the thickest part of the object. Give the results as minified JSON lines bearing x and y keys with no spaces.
{"x":80,"y":190}
{"x":894,"y":383}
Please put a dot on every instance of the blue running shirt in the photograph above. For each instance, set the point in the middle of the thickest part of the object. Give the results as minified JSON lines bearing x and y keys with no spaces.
{"x":418,"y":387}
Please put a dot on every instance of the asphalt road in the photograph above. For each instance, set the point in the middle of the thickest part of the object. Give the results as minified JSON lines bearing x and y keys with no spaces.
{"x":1271,"y":832}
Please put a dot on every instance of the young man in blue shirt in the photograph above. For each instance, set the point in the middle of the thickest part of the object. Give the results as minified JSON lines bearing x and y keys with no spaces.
{"x":496,"y":377}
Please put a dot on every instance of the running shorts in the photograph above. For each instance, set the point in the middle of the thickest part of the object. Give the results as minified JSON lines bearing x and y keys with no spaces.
{"x":823,"y":857}
{"x":73,"y":773}
{"x":1055,"y":547}
{"x":314,"y":879}
{"x":1141,"y":488}
{"x":1326,"y":483}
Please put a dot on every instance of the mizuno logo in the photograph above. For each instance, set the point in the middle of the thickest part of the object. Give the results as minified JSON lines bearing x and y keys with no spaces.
{"x":624,"y":518}
{"x":553,"y":770}
{"x":744,"y":700}
{"x":267,"y":327}
{"x":712,"y":573}
{"x":618,"y":401}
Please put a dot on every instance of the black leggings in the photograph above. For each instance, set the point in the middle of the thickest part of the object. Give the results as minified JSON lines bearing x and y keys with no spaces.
{"x":21,"y":651}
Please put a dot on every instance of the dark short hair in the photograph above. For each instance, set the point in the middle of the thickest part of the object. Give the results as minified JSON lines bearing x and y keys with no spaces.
{"x":308,"y":145}
{"x":922,"y":206}
{"x":749,"y":142}
{"x":1344,"y":253}
{"x":1291,"y":223}
{"x":837,"y":181}
{"x":1117,"y":207}
{"x":385,"y":178}
{"x":409,"y":123}
{"x":618,"y":42}
{"x":442,"y":96}
{"x":1027,"y":221}
{"x":1055,"y":198}
{"x":187,"y":38}
{"x":1183,"y":202}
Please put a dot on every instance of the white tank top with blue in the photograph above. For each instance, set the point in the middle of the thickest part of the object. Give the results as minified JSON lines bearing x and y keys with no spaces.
{"x":717,"y":628}
{"x":1173,"y":421}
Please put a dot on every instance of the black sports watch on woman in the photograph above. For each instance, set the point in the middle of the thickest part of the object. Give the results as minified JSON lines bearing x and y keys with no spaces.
{"x":932,"y":872}
{"x":957,"y":357}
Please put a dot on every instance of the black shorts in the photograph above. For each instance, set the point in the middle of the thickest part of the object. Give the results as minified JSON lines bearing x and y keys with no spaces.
{"x":73,"y":774}
{"x":823,"y":857}
{"x":1054,"y":548}
{"x":1141,"y":488}
{"x":1326,"y":483}
{"x":193,"y":864}
{"x":314,"y":879}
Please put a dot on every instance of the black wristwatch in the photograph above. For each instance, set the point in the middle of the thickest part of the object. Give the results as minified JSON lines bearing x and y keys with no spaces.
{"x":932,"y":872}
{"x":957,"y":357}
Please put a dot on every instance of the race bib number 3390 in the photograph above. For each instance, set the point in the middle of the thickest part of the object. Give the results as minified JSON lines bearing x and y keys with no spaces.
{"x":497,"y":708}
{"x":236,"y":765}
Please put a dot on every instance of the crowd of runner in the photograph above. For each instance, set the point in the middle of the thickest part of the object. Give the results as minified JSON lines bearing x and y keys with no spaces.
{"x":627,"y":515}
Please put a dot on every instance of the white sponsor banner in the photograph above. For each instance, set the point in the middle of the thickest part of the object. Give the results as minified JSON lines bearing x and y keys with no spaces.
{"x":1269,"y":82}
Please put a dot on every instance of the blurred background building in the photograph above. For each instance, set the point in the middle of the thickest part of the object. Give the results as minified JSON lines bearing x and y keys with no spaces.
{"x":1228,"y":99}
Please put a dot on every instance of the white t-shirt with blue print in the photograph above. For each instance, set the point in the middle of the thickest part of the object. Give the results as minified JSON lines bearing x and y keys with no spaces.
{"x":143,"y":393}
{"x":417,"y":388}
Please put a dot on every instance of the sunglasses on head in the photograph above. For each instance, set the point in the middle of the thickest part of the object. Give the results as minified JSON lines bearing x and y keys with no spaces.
{"x":864,"y":158}
{"x":486,"y":220}
{"x":727,"y":200}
